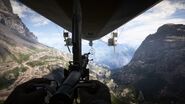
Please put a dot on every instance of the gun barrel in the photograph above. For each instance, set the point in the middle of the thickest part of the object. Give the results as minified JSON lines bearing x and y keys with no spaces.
{"x":68,"y":85}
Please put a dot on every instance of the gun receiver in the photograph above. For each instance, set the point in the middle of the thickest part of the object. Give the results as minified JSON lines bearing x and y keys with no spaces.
{"x":66,"y":82}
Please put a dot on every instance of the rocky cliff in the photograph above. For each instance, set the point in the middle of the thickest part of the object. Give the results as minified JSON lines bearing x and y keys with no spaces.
{"x":5,"y":6}
{"x":158,"y":67}
{"x":13,"y":22}
{"x":14,"y":35}
{"x":22,"y":57}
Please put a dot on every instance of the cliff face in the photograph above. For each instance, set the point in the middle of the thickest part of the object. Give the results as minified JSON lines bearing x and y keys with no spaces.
{"x":5,"y":5}
{"x":13,"y":22}
{"x":158,"y":66}
{"x":13,"y":33}
{"x":22,"y":57}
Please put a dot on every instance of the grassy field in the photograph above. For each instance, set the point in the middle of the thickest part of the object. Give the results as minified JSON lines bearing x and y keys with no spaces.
{"x":5,"y":81}
{"x":36,"y":63}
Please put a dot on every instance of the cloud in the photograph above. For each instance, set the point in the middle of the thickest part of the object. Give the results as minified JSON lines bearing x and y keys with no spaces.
{"x":28,"y":14}
{"x":135,"y":31}
{"x":162,"y":10}
{"x":39,"y":20}
{"x":49,"y":39}
{"x":20,"y":9}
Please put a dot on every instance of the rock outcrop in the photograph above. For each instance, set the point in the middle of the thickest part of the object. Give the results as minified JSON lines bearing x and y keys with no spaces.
{"x":158,"y":66}
{"x":13,"y":32}
{"x":13,"y":22}
{"x":5,"y":6}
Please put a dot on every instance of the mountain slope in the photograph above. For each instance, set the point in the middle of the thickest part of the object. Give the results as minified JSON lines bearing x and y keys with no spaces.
{"x":158,"y":66}
{"x":22,"y":57}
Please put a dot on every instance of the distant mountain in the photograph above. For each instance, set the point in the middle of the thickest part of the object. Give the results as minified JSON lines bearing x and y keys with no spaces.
{"x":157,"y":69}
{"x":111,"y":57}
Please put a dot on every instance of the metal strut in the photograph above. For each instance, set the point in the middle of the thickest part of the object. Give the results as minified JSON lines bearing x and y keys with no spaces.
{"x":75,"y":70}
{"x":76,"y":33}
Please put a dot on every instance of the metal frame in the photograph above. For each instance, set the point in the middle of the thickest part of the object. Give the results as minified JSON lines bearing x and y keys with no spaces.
{"x":76,"y":33}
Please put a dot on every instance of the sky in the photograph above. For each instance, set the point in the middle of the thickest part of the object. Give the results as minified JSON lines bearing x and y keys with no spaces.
{"x":132,"y":33}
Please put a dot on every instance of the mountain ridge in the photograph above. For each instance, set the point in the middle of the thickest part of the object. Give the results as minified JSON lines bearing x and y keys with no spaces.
{"x":158,"y":66}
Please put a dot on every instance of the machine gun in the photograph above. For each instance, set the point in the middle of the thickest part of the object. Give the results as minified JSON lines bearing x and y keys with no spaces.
{"x":66,"y":82}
